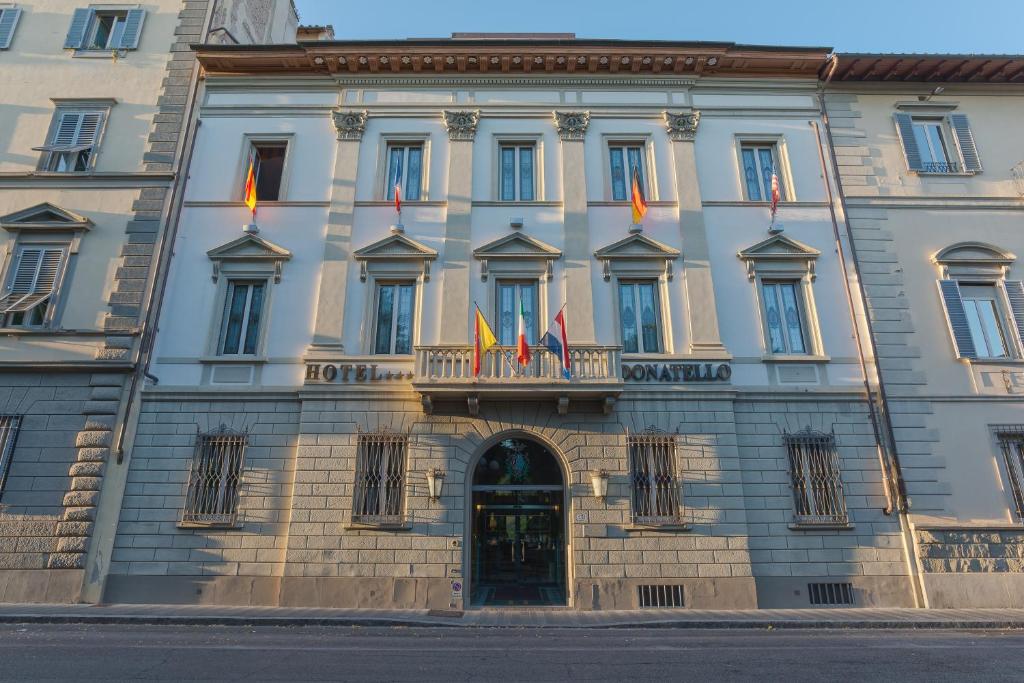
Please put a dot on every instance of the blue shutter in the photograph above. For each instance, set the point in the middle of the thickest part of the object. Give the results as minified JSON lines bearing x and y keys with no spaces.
{"x":1015,"y":295}
{"x":956,"y":316}
{"x":132,"y":29}
{"x":8,"y":22}
{"x":905,"y":127}
{"x":76,"y":32}
{"x":965,"y":141}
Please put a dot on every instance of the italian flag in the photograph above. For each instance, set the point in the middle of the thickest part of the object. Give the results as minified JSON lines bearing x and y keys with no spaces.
{"x":522,"y":347}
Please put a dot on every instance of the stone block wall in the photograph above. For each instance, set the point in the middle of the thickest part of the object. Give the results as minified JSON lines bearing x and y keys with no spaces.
{"x":959,"y":550}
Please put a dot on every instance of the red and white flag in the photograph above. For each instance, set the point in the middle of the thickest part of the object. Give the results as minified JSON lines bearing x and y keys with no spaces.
{"x":776,"y":195}
{"x":398,"y":186}
{"x":522,"y":347}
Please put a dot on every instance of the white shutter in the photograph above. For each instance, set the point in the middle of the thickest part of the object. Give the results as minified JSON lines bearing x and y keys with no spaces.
{"x":965,"y":141}
{"x":132,"y":29}
{"x":8,"y":22}
{"x":79,"y":25}
{"x":89,"y":129}
{"x":905,"y":128}
{"x":67,"y":129}
{"x":956,"y":317}
{"x":1015,"y":295}
{"x":35,"y":278}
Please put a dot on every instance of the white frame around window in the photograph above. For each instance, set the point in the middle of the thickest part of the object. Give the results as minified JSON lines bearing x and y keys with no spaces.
{"x":780,"y":302}
{"x":624,"y":143}
{"x":634,"y":284}
{"x":517,"y":285}
{"x":74,"y":129}
{"x":763,"y":180}
{"x":119,"y":19}
{"x":246,"y":317}
{"x":926,"y":129}
{"x":249,"y":142}
{"x":385,"y":183}
{"x":400,"y":288}
{"x":981,"y":317}
{"x":26,"y":293}
{"x":517,"y":147}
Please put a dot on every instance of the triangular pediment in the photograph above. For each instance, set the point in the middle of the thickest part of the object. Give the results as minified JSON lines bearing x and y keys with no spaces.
{"x":45,"y":216}
{"x":517,"y":246}
{"x":974,"y":252}
{"x":779,"y":247}
{"x":249,"y":247}
{"x":637,"y":246}
{"x":396,"y":246}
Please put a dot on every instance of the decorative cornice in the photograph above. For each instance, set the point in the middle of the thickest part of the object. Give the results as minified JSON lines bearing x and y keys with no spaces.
{"x":350,"y":124}
{"x":572,"y":125}
{"x":461,"y":125}
{"x":682,"y":125}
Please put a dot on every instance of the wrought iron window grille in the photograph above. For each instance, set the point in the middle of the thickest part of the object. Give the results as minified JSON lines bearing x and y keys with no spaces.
{"x":1011,"y":443}
{"x":818,"y":495}
{"x":214,"y":478}
{"x":654,"y":487}
{"x":379,"y":496}
{"x":9,"y":426}
{"x":940,"y":167}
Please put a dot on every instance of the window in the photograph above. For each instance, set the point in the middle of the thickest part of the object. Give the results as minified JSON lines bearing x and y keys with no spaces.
{"x":394,"y":318}
{"x":9,"y":425}
{"x":8,"y":23}
{"x":814,"y":472}
{"x":624,"y":158}
{"x":268,"y":167}
{"x":938,"y":144}
{"x":983,"y":318}
{"x":654,"y":489}
{"x":214,"y":479}
{"x":510,"y":295}
{"x":639,"y":316}
{"x":760,"y":161}
{"x":783,"y":314}
{"x":979,"y":320}
{"x":242,"y":313}
{"x":105,"y":29}
{"x":32,"y":283}
{"x":405,"y":169}
{"x":380,"y":478}
{"x":73,"y":141}
{"x":1011,"y":442}
{"x":517,"y":173}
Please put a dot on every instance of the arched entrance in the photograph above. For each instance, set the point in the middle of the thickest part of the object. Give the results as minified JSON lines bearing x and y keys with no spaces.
{"x":518,"y":532}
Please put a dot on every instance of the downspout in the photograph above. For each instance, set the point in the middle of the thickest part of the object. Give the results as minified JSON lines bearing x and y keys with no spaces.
{"x":892,"y":472}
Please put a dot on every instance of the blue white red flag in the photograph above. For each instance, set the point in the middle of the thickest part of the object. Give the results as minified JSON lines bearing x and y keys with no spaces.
{"x":556,"y":341}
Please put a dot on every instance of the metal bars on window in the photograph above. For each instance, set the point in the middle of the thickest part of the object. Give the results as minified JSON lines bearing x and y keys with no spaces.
{"x":214,"y":479}
{"x":9,"y":425}
{"x":1011,"y":441}
{"x":380,"y":479}
{"x":817,"y":486}
{"x":656,"y":595}
{"x":654,"y":489}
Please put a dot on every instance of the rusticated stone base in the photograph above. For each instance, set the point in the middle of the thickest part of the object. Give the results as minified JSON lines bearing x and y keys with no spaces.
{"x":983,"y":551}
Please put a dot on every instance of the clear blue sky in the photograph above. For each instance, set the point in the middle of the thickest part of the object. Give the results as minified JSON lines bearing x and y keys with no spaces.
{"x":977,"y":26}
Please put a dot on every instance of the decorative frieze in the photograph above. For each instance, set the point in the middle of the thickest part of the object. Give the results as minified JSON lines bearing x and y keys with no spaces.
{"x":572,"y":125}
{"x":682,"y":125}
{"x":461,"y":125}
{"x":350,"y":124}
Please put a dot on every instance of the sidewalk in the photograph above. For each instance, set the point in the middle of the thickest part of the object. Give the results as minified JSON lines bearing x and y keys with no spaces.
{"x":515,"y":617}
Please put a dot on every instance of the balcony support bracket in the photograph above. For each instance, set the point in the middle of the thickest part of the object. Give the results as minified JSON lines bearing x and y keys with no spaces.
{"x":563,"y":405}
{"x":428,"y":404}
{"x":473,"y":403}
{"x":609,"y":405}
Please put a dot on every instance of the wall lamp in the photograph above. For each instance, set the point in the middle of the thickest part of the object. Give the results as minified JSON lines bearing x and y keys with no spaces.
{"x":435,"y":479}
{"x":599,"y":480}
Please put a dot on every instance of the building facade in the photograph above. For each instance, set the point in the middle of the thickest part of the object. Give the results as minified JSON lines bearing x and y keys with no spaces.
{"x":318,"y":430}
{"x":929,"y":153}
{"x":94,"y":102}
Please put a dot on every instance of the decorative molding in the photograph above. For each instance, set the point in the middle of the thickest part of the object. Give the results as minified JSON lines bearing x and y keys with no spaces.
{"x":47,"y":218}
{"x":682,"y":125}
{"x":779,"y":248}
{"x":973,"y":258}
{"x":636,"y":247}
{"x":249,"y":248}
{"x":396,"y":247}
{"x":461,"y":125}
{"x":516,"y":247}
{"x":350,"y":124}
{"x":572,"y":125}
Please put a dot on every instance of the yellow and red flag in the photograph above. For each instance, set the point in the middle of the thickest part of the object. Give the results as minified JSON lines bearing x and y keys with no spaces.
{"x":483,"y":339}
{"x":639,"y":202}
{"x":250,"y":187}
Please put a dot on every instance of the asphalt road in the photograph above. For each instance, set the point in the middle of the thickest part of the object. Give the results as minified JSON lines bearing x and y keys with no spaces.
{"x":220,"y":653}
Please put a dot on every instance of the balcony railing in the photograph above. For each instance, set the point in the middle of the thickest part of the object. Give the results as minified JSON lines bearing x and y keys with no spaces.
{"x":940,"y":167}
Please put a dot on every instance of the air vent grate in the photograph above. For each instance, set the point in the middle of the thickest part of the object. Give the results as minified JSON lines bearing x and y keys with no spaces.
{"x":660,"y":595}
{"x":830,"y":593}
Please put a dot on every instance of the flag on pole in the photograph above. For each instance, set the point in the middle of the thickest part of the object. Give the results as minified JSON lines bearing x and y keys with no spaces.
{"x":483,"y":339}
{"x":522,"y":347}
{"x":398,"y":182}
{"x":250,"y":186}
{"x":555,"y":340}
{"x":639,"y":202}
{"x":776,"y":195}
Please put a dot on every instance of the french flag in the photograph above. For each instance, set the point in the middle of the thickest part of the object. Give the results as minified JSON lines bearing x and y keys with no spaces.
{"x":555,"y":340}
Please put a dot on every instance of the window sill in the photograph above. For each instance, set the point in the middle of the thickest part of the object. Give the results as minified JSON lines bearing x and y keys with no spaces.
{"x":820,"y":526}
{"x":226,"y":526}
{"x":398,"y":526}
{"x":794,"y":358}
{"x":668,"y":527}
{"x":122,"y":53}
{"x":240,"y":360}
{"x":527,"y":204}
{"x":940,"y":174}
{"x":995,"y":361}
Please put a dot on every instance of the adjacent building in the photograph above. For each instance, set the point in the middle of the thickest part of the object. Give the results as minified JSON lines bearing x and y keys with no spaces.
{"x":929,"y":152}
{"x":93,"y":104}
{"x":317,"y":429}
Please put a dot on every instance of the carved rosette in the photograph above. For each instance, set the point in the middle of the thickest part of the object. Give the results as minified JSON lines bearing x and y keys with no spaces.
{"x":572,"y":125}
{"x":461,"y":125}
{"x":682,"y":125}
{"x":350,"y":124}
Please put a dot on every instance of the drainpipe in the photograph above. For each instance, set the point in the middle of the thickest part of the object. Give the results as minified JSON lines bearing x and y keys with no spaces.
{"x":892,"y":472}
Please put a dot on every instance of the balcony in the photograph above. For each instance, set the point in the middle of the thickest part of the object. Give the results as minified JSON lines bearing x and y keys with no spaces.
{"x":446,"y":372}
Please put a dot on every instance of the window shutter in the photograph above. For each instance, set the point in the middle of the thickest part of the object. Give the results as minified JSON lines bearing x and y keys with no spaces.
{"x":1015,"y":294}
{"x":905,"y":127}
{"x":49,"y":270}
{"x":25,"y":275}
{"x":8,"y":22}
{"x":67,"y":129}
{"x":34,"y":280}
{"x":89,"y":131}
{"x":76,"y":32}
{"x":132,"y":29}
{"x":965,"y":141}
{"x":957,"y":319}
